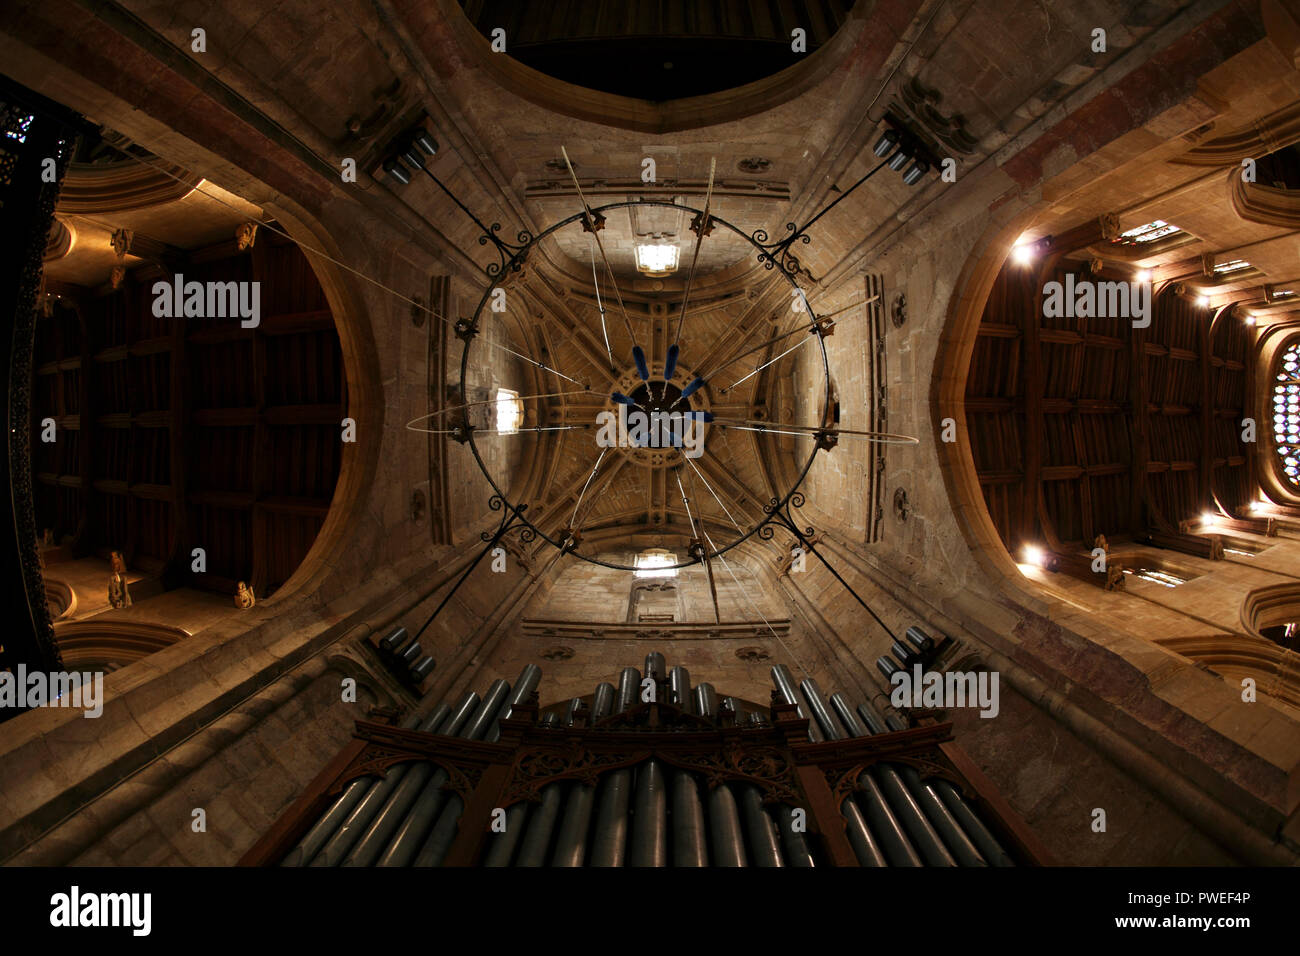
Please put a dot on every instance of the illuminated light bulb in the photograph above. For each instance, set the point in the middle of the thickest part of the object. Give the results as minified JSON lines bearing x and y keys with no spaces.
{"x":1033,"y":555}
{"x":1144,"y":275}
{"x":1208,"y":518}
{"x":1022,"y":255}
{"x":1203,"y":301}
{"x":1249,"y":320}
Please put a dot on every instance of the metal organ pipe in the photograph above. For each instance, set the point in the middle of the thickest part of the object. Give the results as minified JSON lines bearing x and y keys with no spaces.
{"x":972,"y":824}
{"x":688,"y":822}
{"x":959,"y":844}
{"x":338,"y":847}
{"x":653,"y":814}
{"x":609,"y":843}
{"x":764,"y":841}
{"x":725,"y":838}
{"x":679,"y":686}
{"x":865,"y":847}
{"x":439,"y":839}
{"x":629,"y":689}
{"x":893,"y":840}
{"x":785,"y":684}
{"x":602,"y":702}
{"x":332,"y":818}
{"x":394,"y":836}
{"x":706,"y":700}
{"x":650,"y":817}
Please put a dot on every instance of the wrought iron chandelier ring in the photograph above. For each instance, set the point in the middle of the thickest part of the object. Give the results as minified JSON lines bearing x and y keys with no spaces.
{"x":568,"y":539}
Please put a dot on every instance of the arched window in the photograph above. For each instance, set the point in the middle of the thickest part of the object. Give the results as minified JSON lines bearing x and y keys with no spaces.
{"x":1286,"y":412}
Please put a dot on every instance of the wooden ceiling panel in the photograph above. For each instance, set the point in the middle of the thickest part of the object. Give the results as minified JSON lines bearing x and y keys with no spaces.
{"x":1054,"y":413}
{"x":200,"y":433}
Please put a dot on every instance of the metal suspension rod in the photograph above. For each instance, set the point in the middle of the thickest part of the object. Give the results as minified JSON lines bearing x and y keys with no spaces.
{"x":820,"y":322}
{"x":601,"y":306}
{"x":269,"y":227}
{"x":595,"y":468}
{"x":838,"y":199}
{"x":506,"y":522}
{"x":760,"y":368}
{"x":493,"y":401}
{"x":758,"y":348}
{"x":686,"y":503}
{"x":808,"y":548}
{"x":486,"y":433}
{"x":812,"y":431}
{"x":699,"y":240}
{"x":591,"y":224}
{"x":708,"y":566}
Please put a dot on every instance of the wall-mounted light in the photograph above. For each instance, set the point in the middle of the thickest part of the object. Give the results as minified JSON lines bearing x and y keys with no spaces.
{"x":1203,"y":301}
{"x":1023,"y":254}
{"x":1143,"y":275}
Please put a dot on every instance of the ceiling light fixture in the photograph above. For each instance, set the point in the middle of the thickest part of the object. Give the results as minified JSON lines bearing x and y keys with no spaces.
{"x":657,"y":258}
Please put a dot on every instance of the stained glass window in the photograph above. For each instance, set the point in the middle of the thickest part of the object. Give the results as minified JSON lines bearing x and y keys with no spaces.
{"x":1286,"y":412}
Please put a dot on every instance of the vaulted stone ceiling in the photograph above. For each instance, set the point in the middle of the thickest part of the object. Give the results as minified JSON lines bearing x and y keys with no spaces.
{"x":1049,"y":136}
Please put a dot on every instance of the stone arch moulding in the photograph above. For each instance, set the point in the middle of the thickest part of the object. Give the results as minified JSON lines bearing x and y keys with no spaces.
{"x":644,"y":116}
{"x":948,"y":401}
{"x":1235,"y":657}
{"x":111,"y":643}
{"x":1257,"y":140}
{"x":360,"y":460}
{"x":1270,"y":606}
{"x":1267,"y":205}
